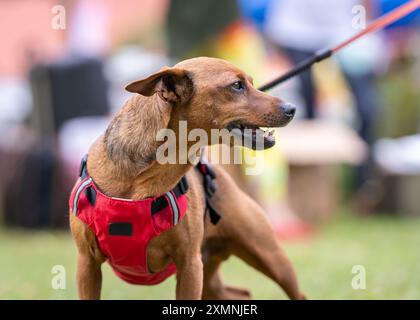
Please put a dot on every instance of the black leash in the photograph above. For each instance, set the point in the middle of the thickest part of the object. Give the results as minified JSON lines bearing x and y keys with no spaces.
{"x":378,"y":24}
{"x":300,"y":67}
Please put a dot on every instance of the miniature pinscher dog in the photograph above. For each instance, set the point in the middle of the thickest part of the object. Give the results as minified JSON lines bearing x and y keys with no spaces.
{"x":208,"y":94}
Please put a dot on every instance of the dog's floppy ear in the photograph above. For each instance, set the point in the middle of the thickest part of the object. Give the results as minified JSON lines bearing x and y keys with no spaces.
{"x":173,"y":85}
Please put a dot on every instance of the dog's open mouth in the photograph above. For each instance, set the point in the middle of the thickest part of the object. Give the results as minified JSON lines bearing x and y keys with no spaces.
{"x":252,"y":136}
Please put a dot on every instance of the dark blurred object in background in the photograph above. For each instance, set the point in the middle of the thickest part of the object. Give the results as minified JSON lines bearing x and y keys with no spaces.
{"x":191,"y":23}
{"x":69,"y":88}
{"x":35,"y":195}
{"x":37,"y":192}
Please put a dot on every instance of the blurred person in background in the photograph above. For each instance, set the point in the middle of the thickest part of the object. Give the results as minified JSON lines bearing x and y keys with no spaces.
{"x":300,"y":27}
{"x":396,"y":152}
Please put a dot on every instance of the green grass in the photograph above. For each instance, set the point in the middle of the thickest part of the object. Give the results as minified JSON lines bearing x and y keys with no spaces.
{"x":387,"y":247}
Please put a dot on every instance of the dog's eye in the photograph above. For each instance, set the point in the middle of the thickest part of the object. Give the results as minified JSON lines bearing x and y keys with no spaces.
{"x":238,"y":86}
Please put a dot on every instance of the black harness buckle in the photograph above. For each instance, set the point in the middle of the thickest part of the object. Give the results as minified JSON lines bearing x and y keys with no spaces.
{"x":209,"y":188}
{"x":209,"y":185}
{"x":183,"y":185}
{"x":161,"y":203}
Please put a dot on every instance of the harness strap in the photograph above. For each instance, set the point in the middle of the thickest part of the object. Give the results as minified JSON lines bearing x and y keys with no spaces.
{"x":79,"y":190}
{"x":210,"y":188}
{"x":169,"y":198}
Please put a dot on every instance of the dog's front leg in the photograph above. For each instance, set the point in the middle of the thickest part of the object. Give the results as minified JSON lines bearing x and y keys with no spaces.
{"x":189,"y":276}
{"x":89,"y":277}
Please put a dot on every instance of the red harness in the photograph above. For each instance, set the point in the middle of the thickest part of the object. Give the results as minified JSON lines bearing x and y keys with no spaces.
{"x":123,"y":228}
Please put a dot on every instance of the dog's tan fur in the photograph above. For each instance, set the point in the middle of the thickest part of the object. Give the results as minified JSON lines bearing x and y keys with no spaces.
{"x":122,"y":163}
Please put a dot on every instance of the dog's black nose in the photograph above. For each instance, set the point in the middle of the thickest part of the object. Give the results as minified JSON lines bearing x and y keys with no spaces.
{"x":288,"y":109}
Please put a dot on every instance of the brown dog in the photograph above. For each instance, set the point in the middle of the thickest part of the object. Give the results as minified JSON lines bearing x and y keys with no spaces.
{"x":209,"y":94}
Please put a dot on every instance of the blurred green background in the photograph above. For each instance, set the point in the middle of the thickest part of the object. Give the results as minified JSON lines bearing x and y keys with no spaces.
{"x":386,"y":247}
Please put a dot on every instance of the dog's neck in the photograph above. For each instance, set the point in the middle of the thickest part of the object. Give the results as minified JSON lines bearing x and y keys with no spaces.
{"x":123,"y":163}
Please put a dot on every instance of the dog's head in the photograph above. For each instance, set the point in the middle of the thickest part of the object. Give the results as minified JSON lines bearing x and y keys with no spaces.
{"x":211,"y":93}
